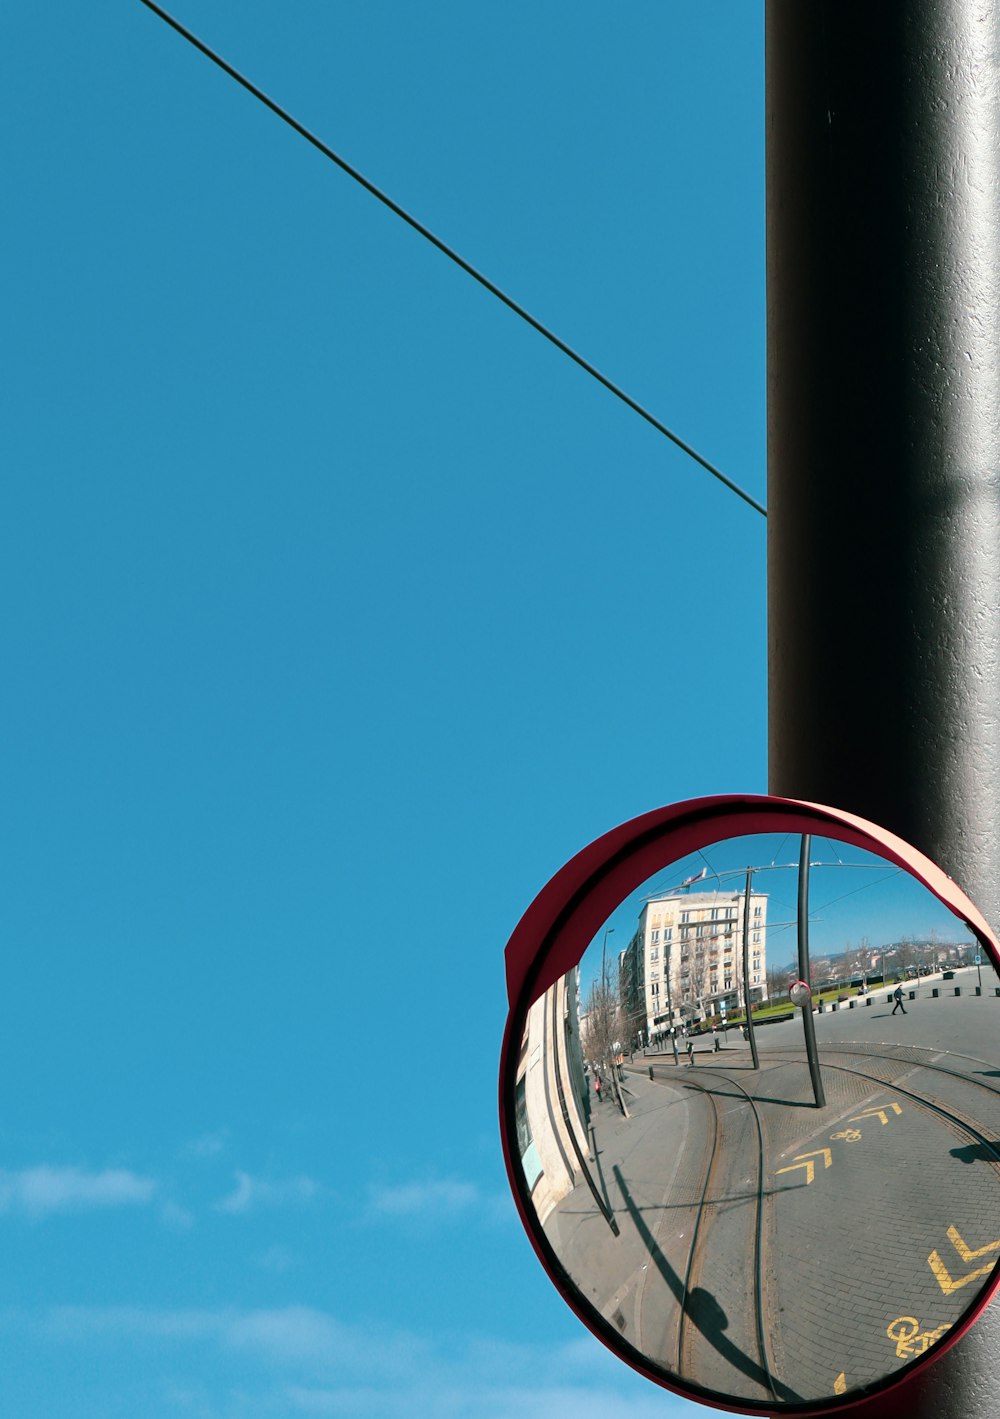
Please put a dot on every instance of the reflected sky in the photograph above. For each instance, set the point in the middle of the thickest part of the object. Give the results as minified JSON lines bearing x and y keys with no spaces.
{"x":855,"y":897}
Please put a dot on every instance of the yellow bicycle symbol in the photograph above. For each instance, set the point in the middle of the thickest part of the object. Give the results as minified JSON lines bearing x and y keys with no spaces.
{"x":849,"y":1135}
{"x":904,"y":1331}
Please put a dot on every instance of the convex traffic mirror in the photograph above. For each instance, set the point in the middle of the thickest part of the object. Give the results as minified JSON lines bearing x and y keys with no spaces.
{"x":750,"y":1101}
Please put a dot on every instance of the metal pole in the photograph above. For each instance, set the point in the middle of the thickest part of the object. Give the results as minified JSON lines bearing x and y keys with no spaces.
{"x":883,"y":233}
{"x":746,"y":970}
{"x":804,"y":973}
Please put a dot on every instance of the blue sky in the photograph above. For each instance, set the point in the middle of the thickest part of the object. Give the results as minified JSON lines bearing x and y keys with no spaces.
{"x":853,"y":896}
{"x":340,"y":610}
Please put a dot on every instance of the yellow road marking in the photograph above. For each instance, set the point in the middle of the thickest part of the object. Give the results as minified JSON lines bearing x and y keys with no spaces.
{"x":877,"y":1113}
{"x":805,"y":1160}
{"x":904,"y":1331}
{"x":849,"y":1135}
{"x":965,"y":1251}
{"x":945,"y":1280}
{"x":949,"y":1283}
{"x":840,"y":1384}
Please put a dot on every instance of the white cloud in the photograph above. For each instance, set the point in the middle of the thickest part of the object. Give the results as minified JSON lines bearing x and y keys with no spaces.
{"x":440,"y":1201}
{"x":300,"y":1361}
{"x":87,"y":1323}
{"x":251,"y":1193}
{"x":470,"y":1401}
{"x":207,"y":1145}
{"x":424,"y":1199}
{"x":295,"y":1336}
{"x":41,"y":1191}
{"x":303,"y":1339}
{"x":277,"y":1259}
{"x":177,"y":1217}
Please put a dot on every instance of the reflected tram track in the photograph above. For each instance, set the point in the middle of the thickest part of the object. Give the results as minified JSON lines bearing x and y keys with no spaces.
{"x":726,"y":1172}
{"x":936,"y":1108}
{"x":700,"y":1320}
{"x":862,"y":1051}
{"x":932,"y":1103}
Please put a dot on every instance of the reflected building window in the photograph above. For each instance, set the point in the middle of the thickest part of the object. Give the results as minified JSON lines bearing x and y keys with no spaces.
{"x":529,"y":1153}
{"x":713,"y":923}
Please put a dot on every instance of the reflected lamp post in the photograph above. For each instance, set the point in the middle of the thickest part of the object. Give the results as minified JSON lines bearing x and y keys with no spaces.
{"x":746,"y":970}
{"x":608,"y":931}
{"x":668,"y":962}
{"x":605,"y":988}
{"x":606,"y":1004}
{"x":805,"y":974}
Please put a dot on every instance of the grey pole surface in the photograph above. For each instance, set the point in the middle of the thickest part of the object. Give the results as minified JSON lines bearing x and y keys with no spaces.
{"x":883,"y":268}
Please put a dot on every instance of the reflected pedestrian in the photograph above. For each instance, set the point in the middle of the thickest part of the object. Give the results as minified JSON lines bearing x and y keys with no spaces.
{"x":690,"y":1050}
{"x":597,"y":1087}
{"x":897,"y":996}
{"x":715,"y":1040}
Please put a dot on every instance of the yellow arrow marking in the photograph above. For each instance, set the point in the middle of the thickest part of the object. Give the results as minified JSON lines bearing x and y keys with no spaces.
{"x":877,"y":1113}
{"x":965,"y":1251}
{"x":945,"y":1280}
{"x":805,"y":1160}
{"x":840,"y":1384}
{"x":949,"y":1283}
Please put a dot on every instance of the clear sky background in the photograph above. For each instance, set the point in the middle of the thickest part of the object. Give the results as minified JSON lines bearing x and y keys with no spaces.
{"x":339,"y":611}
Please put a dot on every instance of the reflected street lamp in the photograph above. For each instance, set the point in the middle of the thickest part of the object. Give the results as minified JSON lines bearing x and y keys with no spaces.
{"x":608,"y":931}
{"x":670,"y":1000}
{"x":747,"y":1011}
{"x":806,"y":973}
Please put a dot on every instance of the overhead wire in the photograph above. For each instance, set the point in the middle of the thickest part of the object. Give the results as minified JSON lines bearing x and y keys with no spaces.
{"x":454,"y":256}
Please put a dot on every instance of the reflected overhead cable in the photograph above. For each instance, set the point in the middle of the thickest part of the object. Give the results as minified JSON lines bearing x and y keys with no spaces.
{"x":453,"y":255}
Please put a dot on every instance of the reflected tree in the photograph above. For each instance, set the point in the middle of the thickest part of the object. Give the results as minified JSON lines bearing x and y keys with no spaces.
{"x":603,"y":1029}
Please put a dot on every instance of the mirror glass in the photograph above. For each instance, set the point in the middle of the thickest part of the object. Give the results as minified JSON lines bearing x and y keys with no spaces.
{"x":786,"y":1209}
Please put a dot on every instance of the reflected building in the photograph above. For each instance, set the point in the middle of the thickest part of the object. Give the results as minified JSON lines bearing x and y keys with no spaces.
{"x":552,"y":1106}
{"x":684,"y":964}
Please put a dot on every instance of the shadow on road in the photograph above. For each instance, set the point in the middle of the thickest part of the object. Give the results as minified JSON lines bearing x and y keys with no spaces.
{"x":978,"y":1152}
{"x":757,"y":1098}
{"x":701,"y":1307}
{"x":600,"y":1171}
